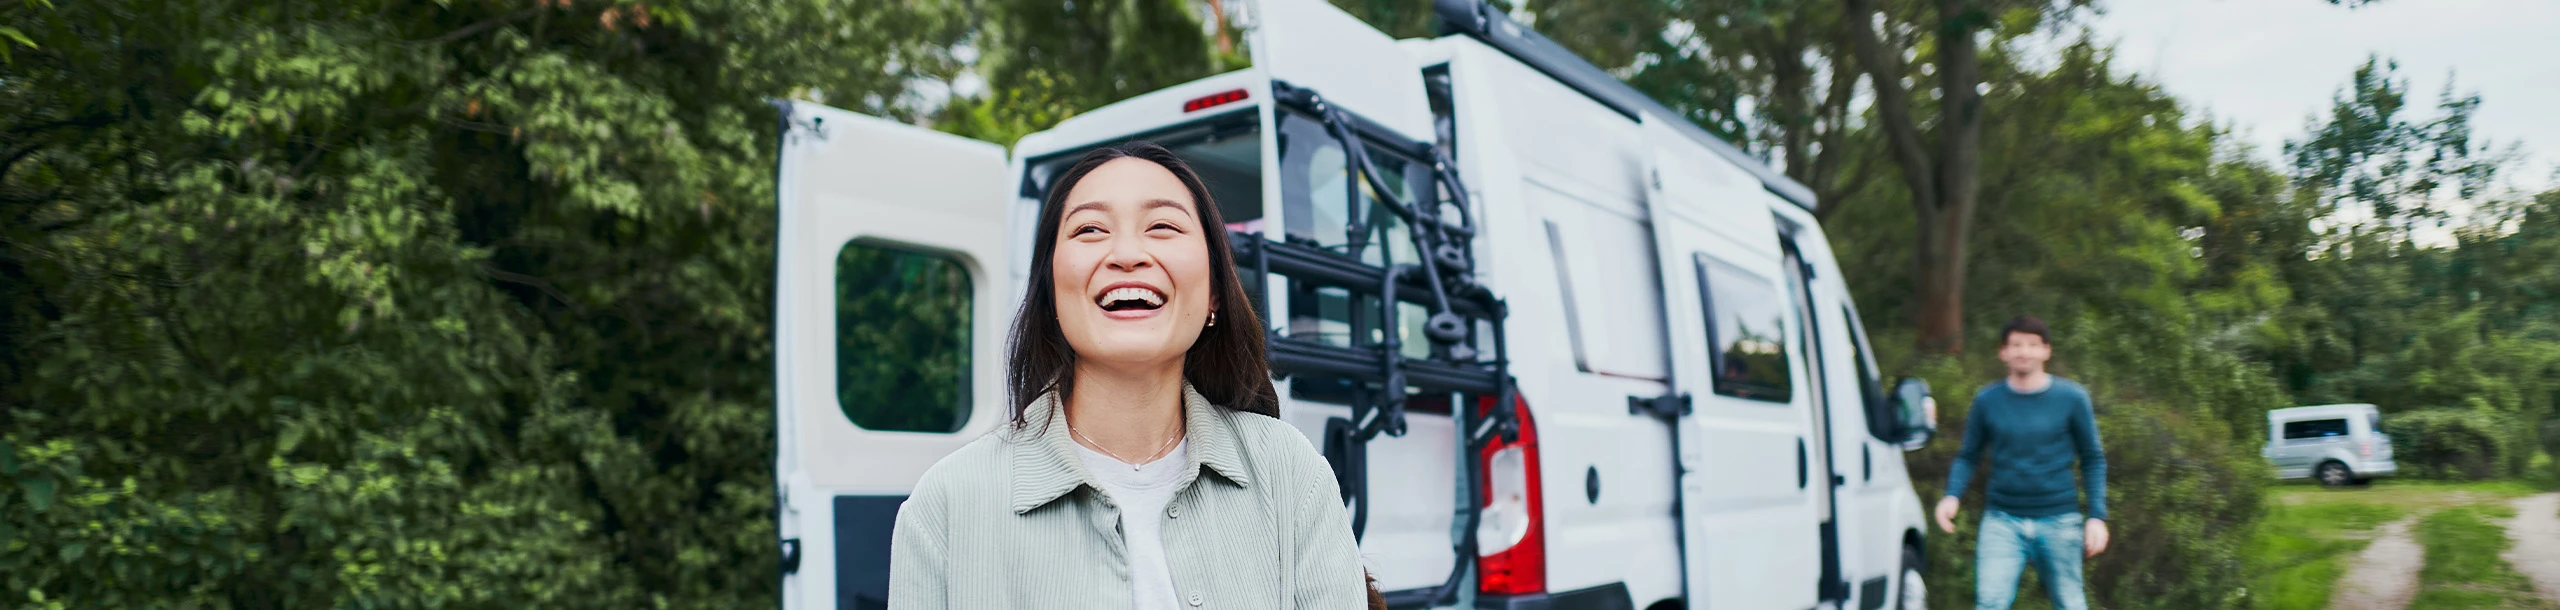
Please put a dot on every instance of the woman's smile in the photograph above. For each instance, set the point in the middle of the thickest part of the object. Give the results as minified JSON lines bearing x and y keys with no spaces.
{"x":1131,"y":301}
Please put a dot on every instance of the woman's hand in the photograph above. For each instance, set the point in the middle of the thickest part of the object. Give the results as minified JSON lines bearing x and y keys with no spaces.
{"x":2093,"y":538}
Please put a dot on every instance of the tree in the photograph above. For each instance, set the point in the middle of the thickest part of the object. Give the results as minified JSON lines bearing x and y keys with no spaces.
{"x":1045,"y":61}
{"x":400,"y":303}
{"x":2373,"y":160}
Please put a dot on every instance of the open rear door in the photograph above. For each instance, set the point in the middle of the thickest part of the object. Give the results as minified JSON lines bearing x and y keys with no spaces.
{"x":890,"y":312}
{"x":1749,"y":533}
{"x":1309,"y":44}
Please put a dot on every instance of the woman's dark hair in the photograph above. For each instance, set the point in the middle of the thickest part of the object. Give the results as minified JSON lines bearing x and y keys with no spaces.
{"x":1226,"y":364}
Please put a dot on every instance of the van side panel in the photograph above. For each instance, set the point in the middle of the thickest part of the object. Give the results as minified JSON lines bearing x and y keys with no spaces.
{"x":1542,"y":153}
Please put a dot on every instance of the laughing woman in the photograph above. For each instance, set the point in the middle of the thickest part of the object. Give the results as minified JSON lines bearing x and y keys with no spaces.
{"x":1145,"y":467}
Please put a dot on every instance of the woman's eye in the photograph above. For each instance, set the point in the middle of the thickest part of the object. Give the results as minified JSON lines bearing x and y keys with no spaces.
{"x":1085,"y":229}
{"x":1164,"y":225}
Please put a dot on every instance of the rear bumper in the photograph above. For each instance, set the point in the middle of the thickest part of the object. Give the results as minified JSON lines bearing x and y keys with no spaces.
{"x":2375,"y":468}
{"x":1612,"y":596}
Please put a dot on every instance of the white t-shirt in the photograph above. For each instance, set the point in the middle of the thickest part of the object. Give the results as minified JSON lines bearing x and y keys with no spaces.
{"x":1142,"y":493}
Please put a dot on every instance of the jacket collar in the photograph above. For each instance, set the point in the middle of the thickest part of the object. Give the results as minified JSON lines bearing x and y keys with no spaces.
{"x":1045,"y":465}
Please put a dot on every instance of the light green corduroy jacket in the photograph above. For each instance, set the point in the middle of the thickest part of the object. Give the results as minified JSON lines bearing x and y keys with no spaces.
{"x":1013,"y":520}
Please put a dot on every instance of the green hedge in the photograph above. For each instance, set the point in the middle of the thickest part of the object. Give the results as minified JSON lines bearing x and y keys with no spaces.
{"x":2468,"y":444}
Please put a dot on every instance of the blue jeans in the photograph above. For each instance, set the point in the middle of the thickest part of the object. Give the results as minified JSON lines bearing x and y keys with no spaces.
{"x":2010,"y":543}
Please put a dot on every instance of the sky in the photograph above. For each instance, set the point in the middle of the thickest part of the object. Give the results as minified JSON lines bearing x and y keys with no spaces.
{"x":2267,"y":67}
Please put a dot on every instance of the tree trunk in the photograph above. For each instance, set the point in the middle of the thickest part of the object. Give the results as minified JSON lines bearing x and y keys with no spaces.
{"x":1943,"y":182}
{"x":1944,"y":237}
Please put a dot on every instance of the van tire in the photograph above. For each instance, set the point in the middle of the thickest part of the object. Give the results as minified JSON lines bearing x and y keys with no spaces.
{"x":2334,"y":473}
{"x":1915,"y":587}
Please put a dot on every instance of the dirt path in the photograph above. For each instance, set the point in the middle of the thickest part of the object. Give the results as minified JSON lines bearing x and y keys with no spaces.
{"x":2536,"y":533}
{"x":2385,"y":575}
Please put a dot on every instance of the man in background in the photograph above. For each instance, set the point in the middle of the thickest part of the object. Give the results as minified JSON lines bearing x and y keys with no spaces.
{"x":2035,"y":426}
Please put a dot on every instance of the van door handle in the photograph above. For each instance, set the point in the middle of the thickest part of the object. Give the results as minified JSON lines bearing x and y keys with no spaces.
{"x":1802,"y":468}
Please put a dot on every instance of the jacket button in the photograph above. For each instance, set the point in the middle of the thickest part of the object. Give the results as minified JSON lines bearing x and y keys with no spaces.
{"x":1195,"y":598}
{"x":1173,"y":511}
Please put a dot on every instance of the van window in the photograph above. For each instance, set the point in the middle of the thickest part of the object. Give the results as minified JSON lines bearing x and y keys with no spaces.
{"x":1318,"y":190}
{"x":1746,"y":332}
{"x":2315,"y":428}
{"x":1880,"y":423}
{"x":1225,"y":151}
{"x":902,"y":338}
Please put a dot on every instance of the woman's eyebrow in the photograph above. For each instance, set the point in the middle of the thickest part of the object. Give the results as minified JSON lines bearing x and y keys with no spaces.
{"x":1167,"y":203}
{"x":1149,"y":205}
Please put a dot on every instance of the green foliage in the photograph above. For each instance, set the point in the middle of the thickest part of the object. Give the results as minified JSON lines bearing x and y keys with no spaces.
{"x":2372,"y":157}
{"x":2463,"y":568}
{"x":2383,"y":311}
{"x":1046,"y":60}
{"x":2550,"y":437}
{"x":2456,"y":443}
{"x":402,"y":304}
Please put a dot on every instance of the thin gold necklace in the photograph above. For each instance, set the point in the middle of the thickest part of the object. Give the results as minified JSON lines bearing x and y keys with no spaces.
{"x":1151,"y":458}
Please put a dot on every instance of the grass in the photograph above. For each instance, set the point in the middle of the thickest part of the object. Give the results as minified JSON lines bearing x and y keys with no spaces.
{"x":2463,"y":568}
{"x":2300,"y":551}
{"x":2410,"y":496}
{"x":2311,"y":533}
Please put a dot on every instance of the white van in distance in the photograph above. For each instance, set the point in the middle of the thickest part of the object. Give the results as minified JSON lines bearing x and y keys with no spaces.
{"x":1563,"y":348}
{"x":2336,"y":444}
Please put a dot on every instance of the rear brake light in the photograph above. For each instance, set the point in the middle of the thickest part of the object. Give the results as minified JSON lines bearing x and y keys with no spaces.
{"x":1511,"y":540}
{"x":1214,"y":100}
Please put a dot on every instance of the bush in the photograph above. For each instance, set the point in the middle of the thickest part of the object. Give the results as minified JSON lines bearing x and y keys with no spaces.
{"x":2469,"y":444}
{"x":2551,"y":440}
{"x":2182,"y":497}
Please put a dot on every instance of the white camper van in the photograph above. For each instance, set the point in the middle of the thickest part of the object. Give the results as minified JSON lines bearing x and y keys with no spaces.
{"x":1563,"y":348}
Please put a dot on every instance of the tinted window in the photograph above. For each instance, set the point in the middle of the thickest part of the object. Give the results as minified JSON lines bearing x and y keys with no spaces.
{"x":1880,"y":422}
{"x":1319,"y":191}
{"x":902,"y":338}
{"x":1226,"y":152}
{"x":1746,"y":332}
{"x":2316,"y":428}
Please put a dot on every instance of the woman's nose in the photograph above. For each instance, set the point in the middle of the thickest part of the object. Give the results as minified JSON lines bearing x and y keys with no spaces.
{"x":1127,"y":254}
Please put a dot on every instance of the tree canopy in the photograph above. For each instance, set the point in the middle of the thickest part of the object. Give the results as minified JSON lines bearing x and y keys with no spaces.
{"x":433,"y":304}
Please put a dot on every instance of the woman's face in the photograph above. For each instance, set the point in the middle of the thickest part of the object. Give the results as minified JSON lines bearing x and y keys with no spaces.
{"x":1131,"y":269}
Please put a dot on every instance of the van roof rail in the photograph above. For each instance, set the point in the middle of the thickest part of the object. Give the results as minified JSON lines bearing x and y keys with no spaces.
{"x":1483,"y":22}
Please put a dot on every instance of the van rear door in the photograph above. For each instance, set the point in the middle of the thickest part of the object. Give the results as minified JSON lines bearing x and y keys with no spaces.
{"x":1401,"y":486}
{"x":889,"y":316}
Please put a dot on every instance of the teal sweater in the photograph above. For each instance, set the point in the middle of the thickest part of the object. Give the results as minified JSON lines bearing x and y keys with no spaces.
{"x":2033,"y":438}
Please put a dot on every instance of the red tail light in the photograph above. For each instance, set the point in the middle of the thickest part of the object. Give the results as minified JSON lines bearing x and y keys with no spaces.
{"x":1511,"y":539}
{"x":1221,"y":98}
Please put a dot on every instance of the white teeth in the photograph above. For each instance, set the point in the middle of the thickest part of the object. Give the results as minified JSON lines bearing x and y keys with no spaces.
{"x":1152,"y":298}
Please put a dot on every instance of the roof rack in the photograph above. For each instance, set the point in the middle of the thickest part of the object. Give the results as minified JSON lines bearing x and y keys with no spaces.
{"x":1483,"y":22}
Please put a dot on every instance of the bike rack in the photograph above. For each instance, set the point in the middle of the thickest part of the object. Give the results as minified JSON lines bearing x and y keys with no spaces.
{"x":1382,"y":376}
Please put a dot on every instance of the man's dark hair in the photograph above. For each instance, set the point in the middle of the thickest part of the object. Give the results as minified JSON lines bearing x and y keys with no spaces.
{"x":2026,"y":324}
